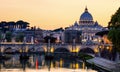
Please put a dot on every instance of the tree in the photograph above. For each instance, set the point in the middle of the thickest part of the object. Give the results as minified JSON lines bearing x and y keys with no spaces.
{"x":3,"y":26}
{"x":114,"y":32}
{"x":115,"y":20}
{"x":22,"y":24}
{"x":8,"y":36}
{"x":52,"y":39}
{"x":20,"y":37}
{"x":114,"y":37}
{"x":11,"y":25}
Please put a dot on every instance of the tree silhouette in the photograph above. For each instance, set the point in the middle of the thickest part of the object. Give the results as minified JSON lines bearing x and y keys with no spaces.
{"x":3,"y":26}
{"x":52,"y":39}
{"x":22,"y":24}
{"x":115,"y":20}
{"x":20,"y":37}
{"x":8,"y":36}
{"x":114,"y":32}
{"x":11,"y":25}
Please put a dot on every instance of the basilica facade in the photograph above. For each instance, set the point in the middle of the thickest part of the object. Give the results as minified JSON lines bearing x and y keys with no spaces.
{"x":87,"y":26}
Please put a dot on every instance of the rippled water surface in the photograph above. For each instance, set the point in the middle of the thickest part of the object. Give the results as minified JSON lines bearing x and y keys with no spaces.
{"x":37,"y":63}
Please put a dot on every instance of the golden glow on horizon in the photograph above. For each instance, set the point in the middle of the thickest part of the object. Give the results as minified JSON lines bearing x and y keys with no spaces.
{"x":51,"y":14}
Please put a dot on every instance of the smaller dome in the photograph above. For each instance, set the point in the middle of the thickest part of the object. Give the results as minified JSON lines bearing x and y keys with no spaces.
{"x":96,"y":23}
{"x":86,"y":16}
{"x":75,"y":24}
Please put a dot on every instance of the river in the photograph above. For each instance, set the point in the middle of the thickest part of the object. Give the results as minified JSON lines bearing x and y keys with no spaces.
{"x":37,"y":63}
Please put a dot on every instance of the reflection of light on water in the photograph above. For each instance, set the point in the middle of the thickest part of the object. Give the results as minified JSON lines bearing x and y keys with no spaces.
{"x":11,"y":70}
{"x":74,"y":65}
{"x":39,"y":65}
{"x":83,"y":65}
{"x":52,"y":70}
{"x":51,"y":65}
{"x":36,"y":63}
{"x":77,"y":65}
{"x":61,"y":62}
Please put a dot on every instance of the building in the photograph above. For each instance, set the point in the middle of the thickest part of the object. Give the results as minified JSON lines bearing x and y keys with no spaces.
{"x":56,"y":33}
{"x":72,"y":36}
{"x":87,"y":26}
{"x":33,"y":35}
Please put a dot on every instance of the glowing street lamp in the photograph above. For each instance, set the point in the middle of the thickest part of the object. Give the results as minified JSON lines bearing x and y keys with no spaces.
{"x":99,"y":47}
{"x":108,"y":47}
{"x":77,"y":50}
{"x":52,"y":50}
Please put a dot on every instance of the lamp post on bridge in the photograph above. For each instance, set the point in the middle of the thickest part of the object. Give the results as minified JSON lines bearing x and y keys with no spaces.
{"x":99,"y":47}
{"x":48,"y":47}
{"x":49,"y":54}
{"x":24,"y":50}
{"x":74,"y":46}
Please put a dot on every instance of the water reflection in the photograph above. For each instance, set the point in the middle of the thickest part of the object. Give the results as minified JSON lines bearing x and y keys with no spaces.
{"x":38,"y":63}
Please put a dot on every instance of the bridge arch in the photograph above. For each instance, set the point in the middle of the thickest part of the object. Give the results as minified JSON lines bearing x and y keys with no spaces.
{"x":62,"y":49}
{"x":37,"y":49}
{"x":10,"y":50}
{"x":40,"y":49}
{"x":31,"y":49}
{"x":87,"y":50}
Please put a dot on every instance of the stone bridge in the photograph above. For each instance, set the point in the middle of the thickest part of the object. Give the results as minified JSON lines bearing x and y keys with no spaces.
{"x":49,"y":48}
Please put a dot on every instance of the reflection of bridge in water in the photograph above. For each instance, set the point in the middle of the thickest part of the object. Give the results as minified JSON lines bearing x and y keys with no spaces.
{"x":38,"y":61}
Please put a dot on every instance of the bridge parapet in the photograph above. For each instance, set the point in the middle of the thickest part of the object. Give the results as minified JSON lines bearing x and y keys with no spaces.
{"x":44,"y":46}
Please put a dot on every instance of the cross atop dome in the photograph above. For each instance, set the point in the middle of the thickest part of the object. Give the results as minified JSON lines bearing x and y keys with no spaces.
{"x":86,"y":10}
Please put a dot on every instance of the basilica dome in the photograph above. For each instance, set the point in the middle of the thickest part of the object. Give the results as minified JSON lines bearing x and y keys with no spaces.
{"x":86,"y":16}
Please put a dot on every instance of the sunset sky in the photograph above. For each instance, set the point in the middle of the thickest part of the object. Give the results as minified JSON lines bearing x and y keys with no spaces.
{"x":51,"y":14}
